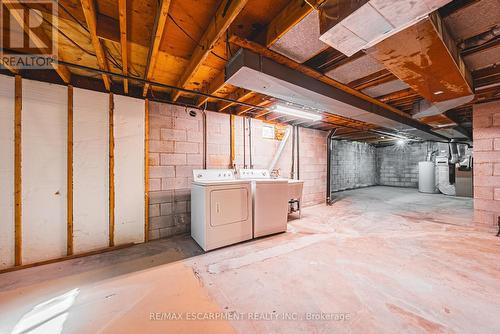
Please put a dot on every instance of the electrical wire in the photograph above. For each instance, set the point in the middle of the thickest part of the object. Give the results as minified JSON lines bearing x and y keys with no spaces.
{"x":191,"y":37}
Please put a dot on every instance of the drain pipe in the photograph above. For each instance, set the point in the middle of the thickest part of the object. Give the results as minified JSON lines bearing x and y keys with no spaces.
{"x":298,"y":154}
{"x":292,"y":172}
{"x":204,"y":121}
{"x":250,"y":142}
{"x":244,"y":143}
{"x":329,"y":166}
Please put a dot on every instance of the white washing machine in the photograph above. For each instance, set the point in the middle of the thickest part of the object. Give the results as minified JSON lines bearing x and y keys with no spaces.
{"x":270,"y":201}
{"x":221,"y":208}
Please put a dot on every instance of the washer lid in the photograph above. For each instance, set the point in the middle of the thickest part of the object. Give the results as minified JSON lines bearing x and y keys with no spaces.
{"x":275,"y":181}
{"x":245,"y":173}
{"x":220,"y":182}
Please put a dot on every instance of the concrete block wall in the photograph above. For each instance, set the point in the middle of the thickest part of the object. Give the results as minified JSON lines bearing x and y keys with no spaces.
{"x":353,"y":165}
{"x":398,"y":165}
{"x":176,"y":148}
{"x":486,"y":133}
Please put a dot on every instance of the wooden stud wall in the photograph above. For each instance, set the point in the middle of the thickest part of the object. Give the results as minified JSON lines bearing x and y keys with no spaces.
{"x":111,"y":173}
{"x":70,"y":173}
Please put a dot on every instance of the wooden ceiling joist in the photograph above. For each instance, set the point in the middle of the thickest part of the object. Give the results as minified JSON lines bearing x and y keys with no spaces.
{"x":122,"y":14}
{"x":159,"y":27}
{"x":217,"y":83}
{"x":40,"y":39}
{"x":292,"y":14}
{"x":239,"y":95}
{"x":259,"y":100}
{"x":225,"y":15}
{"x":88,"y":7}
{"x":372,"y":80}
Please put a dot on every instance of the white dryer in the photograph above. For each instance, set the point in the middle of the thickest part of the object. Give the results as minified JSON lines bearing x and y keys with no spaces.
{"x":270,"y":201}
{"x":221,"y":208}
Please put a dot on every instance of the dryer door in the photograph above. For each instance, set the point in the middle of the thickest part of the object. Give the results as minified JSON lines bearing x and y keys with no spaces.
{"x":228,"y":206}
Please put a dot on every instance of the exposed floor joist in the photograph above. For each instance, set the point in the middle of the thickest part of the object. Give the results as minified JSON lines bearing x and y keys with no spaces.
{"x":159,"y":27}
{"x":89,"y":11}
{"x":221,"y":21}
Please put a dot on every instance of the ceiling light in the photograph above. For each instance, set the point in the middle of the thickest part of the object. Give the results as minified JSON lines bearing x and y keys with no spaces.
{"x":438,"y":92}
{"x":281,"y":109}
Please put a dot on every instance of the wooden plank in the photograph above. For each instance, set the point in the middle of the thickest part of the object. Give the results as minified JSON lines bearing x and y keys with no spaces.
{"x":225,"y":15}
{"x":69,"y":239}
{"x":262,"y":50}
{"x":372,"y":80}
{"x":10,"y":68}
{"x":65,"y":258}
{"x":40,"y":39}
{"x":160,"y":21}
{"x":111,"y":173}
{"x":287,"y":18}
{"x":122,"y":13}
{"x":146,"y":172}
{"x":89,"y":11}
{"x":239,"y":95}
{"x":217,"y":83}
{"x":17,"y":171}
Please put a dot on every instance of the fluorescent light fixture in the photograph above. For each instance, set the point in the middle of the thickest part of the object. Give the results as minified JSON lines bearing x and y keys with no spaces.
{"x":281,"y":109}
{"x":439,"y":92}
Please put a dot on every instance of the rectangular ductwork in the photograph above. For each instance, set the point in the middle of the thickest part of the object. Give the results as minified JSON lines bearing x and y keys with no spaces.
{"x":351,"y":26}
{"x":253,"y":72}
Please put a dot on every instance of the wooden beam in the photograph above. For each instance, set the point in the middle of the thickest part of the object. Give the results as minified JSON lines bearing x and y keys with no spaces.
{"x":262,"y":50}
{"x":225,"y":15}
{"x":373,"y":79}
{"x":89,"y":11}
{"x":258,"y":100}
{"x":108,"y":28}
{"x":69,"y":203}
{"x":292,"y":14}
{"x":217,"y":83}
{"x":239,"y":95}
{"x":146,"y":171}
{"x":160,"y":21}
{"x":122,"y":12}
{"x":40,"y":39}
{"x":8,"y":67}
{"x":111,"y":172}
{"x":18,"y":234}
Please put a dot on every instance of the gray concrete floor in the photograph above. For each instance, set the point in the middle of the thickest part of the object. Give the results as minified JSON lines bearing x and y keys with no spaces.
{"x":380,"y":259}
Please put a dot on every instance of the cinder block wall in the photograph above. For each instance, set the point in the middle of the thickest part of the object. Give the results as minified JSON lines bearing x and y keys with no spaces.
{"x":398,"y":165}
{"x":176,"y":148}
{"x":353,"y":165}
{"x":486,"y":133}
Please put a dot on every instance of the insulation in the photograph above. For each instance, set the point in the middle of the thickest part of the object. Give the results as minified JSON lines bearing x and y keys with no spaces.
{"x":385,"y":88}
{"x":90,"y":170}
{"x":44,"y":173}
{"x":6,"y":171}
{"x":301,"y":42}
{"x":129,"y":169}
{"x":355,"y":69}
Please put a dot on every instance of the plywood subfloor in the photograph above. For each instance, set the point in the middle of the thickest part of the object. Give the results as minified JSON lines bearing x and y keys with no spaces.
{"x":381,"y":259}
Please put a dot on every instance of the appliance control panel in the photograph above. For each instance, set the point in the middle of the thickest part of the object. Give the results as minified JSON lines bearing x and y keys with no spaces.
{"x":213,"y":174}
{"x":254,"y":174}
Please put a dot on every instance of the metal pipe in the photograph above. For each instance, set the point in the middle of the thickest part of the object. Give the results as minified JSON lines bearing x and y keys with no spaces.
{"x":292,"y":172}
{"x":204,"y":120}
{"x":250,"y":142}
{"x":278,"y":153}
{"x":298,"y":154}
{"x":244,"y":143}
{"x":232,"y":148}
{"x":329,"y":166}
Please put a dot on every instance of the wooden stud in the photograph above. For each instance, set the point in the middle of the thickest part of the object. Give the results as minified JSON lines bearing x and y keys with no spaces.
{"x":17,"y":171}
{"x":69,"y":233}
{"x":122,"y":11}
{"x":225,"y":15}
{"x":89,"y":11}
{"x":146,"y":172}
{"x":111,"y":172}
{"x":40,"y":39}
{"x":160,"y":21}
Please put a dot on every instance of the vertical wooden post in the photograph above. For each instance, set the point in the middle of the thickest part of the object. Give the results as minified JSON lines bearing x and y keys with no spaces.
{"x":69,"y":235}
{"x":17,"y":171}
{"x":146,"y":172}
{"x":111,"y":172}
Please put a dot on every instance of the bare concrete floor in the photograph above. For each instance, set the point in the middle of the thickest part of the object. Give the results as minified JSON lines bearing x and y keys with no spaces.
{"x":380,"y":260}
